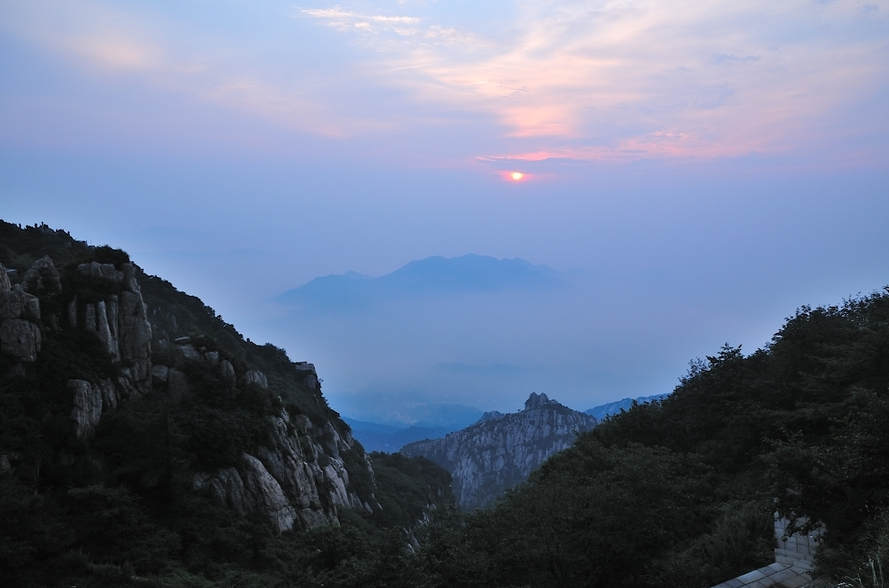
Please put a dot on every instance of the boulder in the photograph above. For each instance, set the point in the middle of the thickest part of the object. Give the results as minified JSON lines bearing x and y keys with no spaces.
{"x":183,"y":353}
{"x":256,"y":377}
{"x":43,"y":277}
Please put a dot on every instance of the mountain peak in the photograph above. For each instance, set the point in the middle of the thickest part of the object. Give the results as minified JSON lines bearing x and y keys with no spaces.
{"x":538,"y":401}
{"x":435,"y":275}
{"x":501,"y":450}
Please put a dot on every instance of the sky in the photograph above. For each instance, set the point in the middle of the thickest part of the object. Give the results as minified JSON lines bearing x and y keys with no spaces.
{"x":703,"y":167}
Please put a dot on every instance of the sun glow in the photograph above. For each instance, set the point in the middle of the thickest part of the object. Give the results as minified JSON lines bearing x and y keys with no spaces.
{"x":514,"y":176}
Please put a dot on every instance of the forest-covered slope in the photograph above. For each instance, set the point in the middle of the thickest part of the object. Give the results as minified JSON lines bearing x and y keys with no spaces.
{"x":119,"y":467}
{"x":682,"y":492}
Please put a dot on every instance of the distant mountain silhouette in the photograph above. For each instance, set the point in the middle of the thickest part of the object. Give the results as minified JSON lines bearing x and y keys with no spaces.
{"x":501,"y":450}
{"x":431,"y":276}
{"x":426,"y":422}
{"x":600,"y":412}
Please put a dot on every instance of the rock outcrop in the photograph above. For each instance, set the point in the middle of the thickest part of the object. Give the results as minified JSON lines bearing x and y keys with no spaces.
{"x":90,"y":400}
{"x":120,"y":321}
{"x":298,"y":478}
{"x":297,"y":481}
{"x":502,"y":450}
{"x":20,"y":334}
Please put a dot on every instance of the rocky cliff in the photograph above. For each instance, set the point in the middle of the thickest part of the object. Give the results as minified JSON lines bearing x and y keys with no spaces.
{"x":298,"y":476}
{"x":502,"y":450}
{"x":83,"y":338}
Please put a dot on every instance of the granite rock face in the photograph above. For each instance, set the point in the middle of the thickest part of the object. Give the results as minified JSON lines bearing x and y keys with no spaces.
{"x":20,"y":334}
{"x":248,"y":489}
{"x":90,"y":400}
{"x":299,"y":477}
{"x":287,"y":481}
{"x":501,"y":450}
{"x":119,"y":320}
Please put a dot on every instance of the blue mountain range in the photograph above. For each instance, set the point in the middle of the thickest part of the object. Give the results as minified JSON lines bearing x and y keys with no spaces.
{"x":605,"y":410}
{"x":425,"y":277}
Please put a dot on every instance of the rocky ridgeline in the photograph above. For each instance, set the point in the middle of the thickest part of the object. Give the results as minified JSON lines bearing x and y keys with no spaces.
{"x":501,"y":450}
{"x":299,"y":479}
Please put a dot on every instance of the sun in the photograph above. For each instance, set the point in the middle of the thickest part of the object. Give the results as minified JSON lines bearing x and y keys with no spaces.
{"x":516,"y":176}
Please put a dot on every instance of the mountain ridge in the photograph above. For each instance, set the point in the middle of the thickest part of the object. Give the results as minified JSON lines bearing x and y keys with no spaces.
{"x":430,"y":276}
{"x":616,"y":407}
{"x":502,"y":450}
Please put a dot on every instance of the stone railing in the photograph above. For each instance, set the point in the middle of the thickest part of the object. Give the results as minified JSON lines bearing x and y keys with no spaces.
{"x":793,"y":562}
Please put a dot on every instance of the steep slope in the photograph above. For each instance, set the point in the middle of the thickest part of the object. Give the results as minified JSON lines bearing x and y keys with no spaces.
{"x":259,"y":435}
{"x":502,"y":450}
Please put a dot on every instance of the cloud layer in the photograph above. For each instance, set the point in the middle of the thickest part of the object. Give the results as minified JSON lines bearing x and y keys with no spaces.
{"x":520,"y":80}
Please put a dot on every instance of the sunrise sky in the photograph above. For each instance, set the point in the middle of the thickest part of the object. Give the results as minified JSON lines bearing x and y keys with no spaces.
{"x":708,"y":166}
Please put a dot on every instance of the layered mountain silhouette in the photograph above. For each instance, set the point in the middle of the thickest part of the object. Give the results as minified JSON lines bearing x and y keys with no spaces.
{"x":425,"y":277}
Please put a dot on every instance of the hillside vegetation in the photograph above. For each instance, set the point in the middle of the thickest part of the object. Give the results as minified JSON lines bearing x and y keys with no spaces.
{"x":681,"y":492}
{"x":673,"y":493}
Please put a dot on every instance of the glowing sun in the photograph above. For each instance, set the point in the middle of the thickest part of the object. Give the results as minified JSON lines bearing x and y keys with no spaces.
{"x":516,"y":176}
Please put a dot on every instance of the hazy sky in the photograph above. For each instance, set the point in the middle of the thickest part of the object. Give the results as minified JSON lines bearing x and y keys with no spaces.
{"x":708,"y":166}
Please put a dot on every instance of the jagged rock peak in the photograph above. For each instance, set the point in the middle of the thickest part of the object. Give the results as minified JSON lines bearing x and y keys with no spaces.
{"x":500,"y":451}
{"x":538,"y":401}
{"x":490,"y":416}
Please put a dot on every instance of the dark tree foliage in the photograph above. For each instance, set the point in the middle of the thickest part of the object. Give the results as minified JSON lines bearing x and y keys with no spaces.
{"x":681,"y":492}
{"x":674,"y":493}
{"x":409,"y":489}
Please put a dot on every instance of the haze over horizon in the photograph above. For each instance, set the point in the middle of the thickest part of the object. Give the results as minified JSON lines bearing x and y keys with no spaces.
{"x":704,"y":168}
